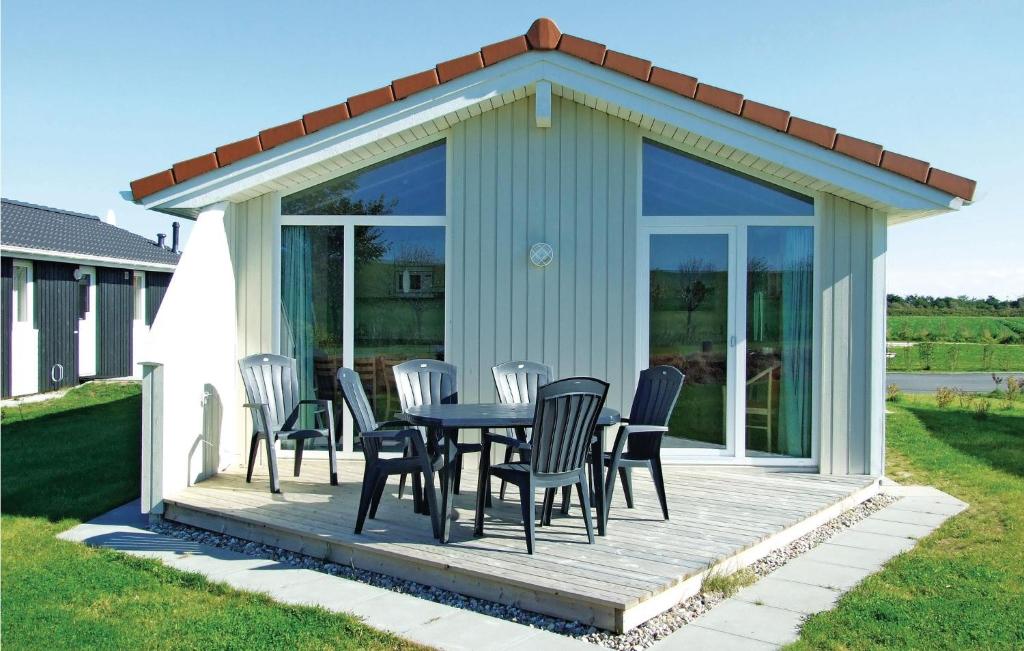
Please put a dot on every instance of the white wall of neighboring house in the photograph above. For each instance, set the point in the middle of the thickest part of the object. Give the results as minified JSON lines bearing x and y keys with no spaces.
{"x":87,"y":326}
{"x":140,"y":331}
{"x":24,"y":336}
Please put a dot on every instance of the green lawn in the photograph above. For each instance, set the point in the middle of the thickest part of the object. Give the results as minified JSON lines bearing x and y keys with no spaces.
{"x":963,"y":586}
{"x":68,"y":460}
{"x":957,"y":357}
{"x":947,"y":327}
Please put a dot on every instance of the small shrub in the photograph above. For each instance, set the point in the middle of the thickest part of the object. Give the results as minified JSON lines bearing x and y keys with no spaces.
{"x":1014,"y":386}
{"x":965,"y":398}
{"x":925,"y":351}
{"x":981,"y":409}
{"x":727,"y":584}
{"x":945,"y":396}
{"x":953,"y":357}
{"x":893,"y":393}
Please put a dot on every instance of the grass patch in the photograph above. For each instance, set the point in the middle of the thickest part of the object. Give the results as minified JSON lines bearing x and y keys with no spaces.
{"x":957,"y":357}
{"x":968,"y":329}
{"x":70,"y":459}
{"x":962,"y":586}
{"x":727,"y":584}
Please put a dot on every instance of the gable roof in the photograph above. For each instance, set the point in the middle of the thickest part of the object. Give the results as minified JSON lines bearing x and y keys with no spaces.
{"x":544,"y":34}
{"x":29,"y":226}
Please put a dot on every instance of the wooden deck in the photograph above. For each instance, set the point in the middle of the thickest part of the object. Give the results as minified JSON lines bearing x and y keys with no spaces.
{"x":720,"y":517}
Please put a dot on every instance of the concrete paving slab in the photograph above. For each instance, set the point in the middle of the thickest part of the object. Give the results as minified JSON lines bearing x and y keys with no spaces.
{"x":469,"y":631}
{"x":868,"y":540}
{"x":695,"y":638}
{"x":911,"y":517}
{"x":762,"y":623}
{"x":318,"y":589}
{"x":890,"y":528}
{"x":926,"y":505}
{"x":798,"y":597}
{"x":399,"y":613}
{"x":870,"y":560}
{"x":824,"y":575}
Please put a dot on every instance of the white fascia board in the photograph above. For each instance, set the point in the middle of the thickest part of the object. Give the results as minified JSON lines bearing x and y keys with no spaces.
{"x":900,"y":194}
{"x":82,"y":258}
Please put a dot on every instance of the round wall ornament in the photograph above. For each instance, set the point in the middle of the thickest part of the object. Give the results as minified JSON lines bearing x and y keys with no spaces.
{"x":541,"y":254}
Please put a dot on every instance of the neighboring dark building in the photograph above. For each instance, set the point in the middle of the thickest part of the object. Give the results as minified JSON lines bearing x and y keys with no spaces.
{"x":79,"y":295}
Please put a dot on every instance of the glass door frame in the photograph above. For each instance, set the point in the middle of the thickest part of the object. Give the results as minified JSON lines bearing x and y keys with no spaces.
{"x":736,"y":228}
{"x":349,"y":223}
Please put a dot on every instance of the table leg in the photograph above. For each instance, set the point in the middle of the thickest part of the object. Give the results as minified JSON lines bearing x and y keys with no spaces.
{"x":447,"y":483}
{"x":597,"y":478}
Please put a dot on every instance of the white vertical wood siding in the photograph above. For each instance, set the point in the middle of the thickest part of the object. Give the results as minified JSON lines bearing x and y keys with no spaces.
{"x":852,"y":268}
{"x":250,"y":230}
{"x":572,"y":185}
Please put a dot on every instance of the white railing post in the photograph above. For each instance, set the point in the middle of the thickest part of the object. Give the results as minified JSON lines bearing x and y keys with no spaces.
{"x":152,"y":438}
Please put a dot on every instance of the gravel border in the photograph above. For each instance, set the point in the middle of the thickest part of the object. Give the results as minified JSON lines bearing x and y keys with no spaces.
{"x":641,"y":637}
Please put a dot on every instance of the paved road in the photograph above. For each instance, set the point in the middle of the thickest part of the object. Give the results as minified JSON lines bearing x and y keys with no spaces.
{"x":928,"y":382}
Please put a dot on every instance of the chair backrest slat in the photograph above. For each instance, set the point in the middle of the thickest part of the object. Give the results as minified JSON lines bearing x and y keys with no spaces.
{"x":563,"y":423}
{"x":271,"y":380}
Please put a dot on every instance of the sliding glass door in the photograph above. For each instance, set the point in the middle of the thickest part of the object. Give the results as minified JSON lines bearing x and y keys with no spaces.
{"x":691,"y":283}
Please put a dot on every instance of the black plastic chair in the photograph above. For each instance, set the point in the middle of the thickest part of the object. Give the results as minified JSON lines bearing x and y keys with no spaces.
{"x":420,"y":463}
{"x":563,"y":424}
{"x":272,"y":388}
{"x":656,"y":393}
{"x":517,"y":384}
{"x":430,"y":382}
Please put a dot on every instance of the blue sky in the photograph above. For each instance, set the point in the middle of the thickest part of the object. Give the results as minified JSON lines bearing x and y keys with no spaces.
{"x":96,"y":94}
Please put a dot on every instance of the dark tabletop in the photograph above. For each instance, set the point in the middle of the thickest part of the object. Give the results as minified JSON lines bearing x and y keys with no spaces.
{"x":483,"y":415}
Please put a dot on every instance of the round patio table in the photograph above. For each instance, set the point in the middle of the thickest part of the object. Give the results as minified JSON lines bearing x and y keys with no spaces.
{"x":449,"y":419}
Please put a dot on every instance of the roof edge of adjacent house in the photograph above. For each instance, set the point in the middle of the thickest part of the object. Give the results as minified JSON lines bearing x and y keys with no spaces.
{"x":544,"y":35}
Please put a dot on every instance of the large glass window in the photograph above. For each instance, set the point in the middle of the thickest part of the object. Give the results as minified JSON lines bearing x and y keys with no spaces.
{"x":780,"y":299}
{"x":689,"y":329}
{"x":399,"y":305}
{"x":678,"y":184}
{"x":312,"y":309}
{"x":409,"y":184}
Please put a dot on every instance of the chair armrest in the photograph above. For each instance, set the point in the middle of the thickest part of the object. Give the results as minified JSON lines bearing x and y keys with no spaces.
{"x":325,"y":409}
{"x":623,"y":420}
{"x":393,"y":434}
{"x":260,"y":417}
{"x":643,"y":429}
{"x":500,"y":439}
{"x":394,"y":423}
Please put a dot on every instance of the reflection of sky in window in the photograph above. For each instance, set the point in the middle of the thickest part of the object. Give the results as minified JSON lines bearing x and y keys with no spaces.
{"x":411,"y":184}
{"x":402,"y":240}
{"x":768,"y":244}
{"x":675,"y":183}
{"x":668,"y":252}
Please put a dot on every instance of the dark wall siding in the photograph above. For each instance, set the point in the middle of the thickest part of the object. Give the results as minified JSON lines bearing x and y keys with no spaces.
{"x":7,"y":309}
{"x":156,"y":287}
{"x":114,"y":322}
{"x":56,"y":317}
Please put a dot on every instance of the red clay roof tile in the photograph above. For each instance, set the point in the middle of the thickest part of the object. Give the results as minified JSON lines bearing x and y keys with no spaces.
{"x":152,"y":184}
{"x":582,"y":48}
{"x":281,"y":134}
{"x":952,"y":183}
{"x":359,"y":104}
{"x":863,"y":150}
{"x":676,"y":82}
{"x":543,"y":34}
{"x":461,"y":66}
{"x":231,"y":152}
{"x":719,"y":98}
{"x":186,"y":169}
{"x":628,"y":65}
{"x":502,"y":50}
{"x":406,"y":86}
{"x":325,"y":117}
{"x":819,"y":134}
{"x":911,"y":168}
{"x":769,"y":116}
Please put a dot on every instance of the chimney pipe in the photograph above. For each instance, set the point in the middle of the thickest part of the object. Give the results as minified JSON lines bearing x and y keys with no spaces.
{"x":175,"y":227}
{"x":160,"y":239}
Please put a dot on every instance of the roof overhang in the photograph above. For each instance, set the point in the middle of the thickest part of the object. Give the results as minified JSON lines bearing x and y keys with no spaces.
{"x":748,"y":145}
{"x":28,"y":253}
